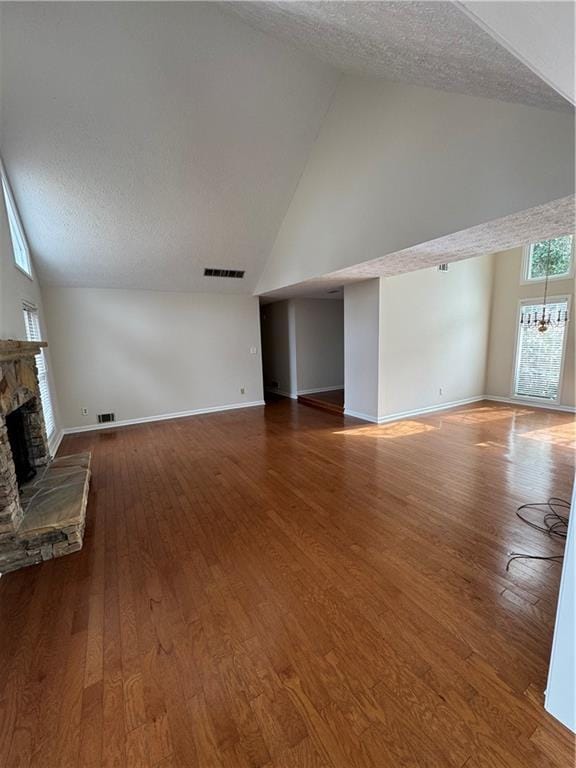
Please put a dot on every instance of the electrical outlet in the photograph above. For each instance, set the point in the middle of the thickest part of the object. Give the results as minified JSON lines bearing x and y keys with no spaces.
{"x":84,"y":411}
{"x":253,"y":350}
{"x":242,"y":390}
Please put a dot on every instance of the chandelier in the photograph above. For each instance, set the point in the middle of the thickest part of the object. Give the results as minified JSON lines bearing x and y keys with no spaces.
{"x":545,"y":319}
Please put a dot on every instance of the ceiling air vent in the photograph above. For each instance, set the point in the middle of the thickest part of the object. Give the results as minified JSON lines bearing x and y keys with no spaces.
{"x":211,"y":272}
{"x":442,"y":267}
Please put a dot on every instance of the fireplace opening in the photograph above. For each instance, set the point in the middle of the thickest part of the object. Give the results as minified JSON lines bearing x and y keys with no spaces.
{"x":16,"y":424}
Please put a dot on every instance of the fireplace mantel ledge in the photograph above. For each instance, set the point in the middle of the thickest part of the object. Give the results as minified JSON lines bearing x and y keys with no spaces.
{"x":12,"y":349}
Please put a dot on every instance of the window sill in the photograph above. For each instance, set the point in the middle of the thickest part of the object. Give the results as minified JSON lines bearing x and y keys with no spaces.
{"x":27,"y":274}
{"x":551,"y":279}
{"x":530,"y":399}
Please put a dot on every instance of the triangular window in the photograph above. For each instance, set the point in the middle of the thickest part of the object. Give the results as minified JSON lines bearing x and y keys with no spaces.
{"x":19,"y":244}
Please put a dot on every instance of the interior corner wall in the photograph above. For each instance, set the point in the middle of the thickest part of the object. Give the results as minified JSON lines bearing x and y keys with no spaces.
{"x":15,"y":289}
{"x":148,"y":354}
{"x":362,"y":302}
{"x":435,"y":329}
{"x":319,"y":330}
{"x":395,"y":165}
{"x":508,"y":292}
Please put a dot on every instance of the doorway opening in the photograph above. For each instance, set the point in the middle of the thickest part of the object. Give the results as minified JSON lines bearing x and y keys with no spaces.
{"x":303,"y":350}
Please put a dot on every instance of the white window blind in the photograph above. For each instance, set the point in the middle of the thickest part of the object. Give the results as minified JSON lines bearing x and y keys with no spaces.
{"x":539,"y":355}
{"x":33,"y":334}
{"x":19,"y":244}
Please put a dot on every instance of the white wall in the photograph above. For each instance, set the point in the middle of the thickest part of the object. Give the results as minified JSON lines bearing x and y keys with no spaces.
{"x":560,"y":699}
{"x":397,"y":165}
{"x":362,"y":348}
{"x":508,"y":291}
{"x":142,"y":354}
{"x":435,"y":328}
{"x":15,"y":288}
{"x":408,"y":337}
{"x":319,"y":343}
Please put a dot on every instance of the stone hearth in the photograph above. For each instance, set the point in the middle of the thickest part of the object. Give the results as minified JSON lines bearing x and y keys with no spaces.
{"x":43,"y":516}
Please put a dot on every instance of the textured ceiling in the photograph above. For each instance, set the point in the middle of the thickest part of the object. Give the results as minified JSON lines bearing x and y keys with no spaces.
{"x":146,"y":141}
{"x":540,"y":223}
{"x":431,"y":44}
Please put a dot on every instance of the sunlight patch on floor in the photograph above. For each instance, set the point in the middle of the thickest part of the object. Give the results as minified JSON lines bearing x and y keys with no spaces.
{"x":388,"y":431}
{"x":489,"y":444}
{"x":562,"y":434}
{"x":481,"y":415}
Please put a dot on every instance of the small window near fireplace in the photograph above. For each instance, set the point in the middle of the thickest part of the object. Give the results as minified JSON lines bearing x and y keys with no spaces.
{"x":33,"y":333}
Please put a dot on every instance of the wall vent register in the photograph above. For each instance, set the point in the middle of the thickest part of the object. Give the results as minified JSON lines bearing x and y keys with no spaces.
{"x":234,"y":273}
{"x":106,"y":418}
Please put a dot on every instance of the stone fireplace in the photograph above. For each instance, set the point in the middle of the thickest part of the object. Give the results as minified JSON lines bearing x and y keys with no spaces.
{"x":42,"y":501}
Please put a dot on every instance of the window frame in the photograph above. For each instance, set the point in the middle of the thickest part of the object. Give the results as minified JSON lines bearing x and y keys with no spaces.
{"x":526,"y":252}
{"x":31,"y":308}
{"x":529,"y":301}
{"x":15,"y":225}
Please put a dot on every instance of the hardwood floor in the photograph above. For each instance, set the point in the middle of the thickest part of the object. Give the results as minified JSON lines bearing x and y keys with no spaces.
{"x":331,"y":400}
{"x":283,"y":587}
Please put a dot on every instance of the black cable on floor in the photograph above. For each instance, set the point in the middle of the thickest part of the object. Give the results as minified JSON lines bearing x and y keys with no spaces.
{"x":554,"y":524}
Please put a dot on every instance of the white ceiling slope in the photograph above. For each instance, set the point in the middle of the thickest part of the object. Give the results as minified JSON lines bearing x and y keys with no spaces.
{"x":541,"y":34}
{"x":433,"y":44}
{"x":147,"y":141}
{"x":529,"y":226}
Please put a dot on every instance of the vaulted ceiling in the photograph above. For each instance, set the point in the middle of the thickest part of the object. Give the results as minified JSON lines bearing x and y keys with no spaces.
{"x":432,"y":44}
{"x":146,"y":141}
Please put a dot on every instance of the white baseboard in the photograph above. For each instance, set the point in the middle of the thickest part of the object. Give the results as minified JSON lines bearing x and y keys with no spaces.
{"x":320,"y":389}
{"x":455,"y":404}
{"x":361,"y":416}
{"x":429,"y":409}
{"x":416,"y":412}
{"x":161,"y":417}
{"x":281,"y":392}
{"x":54,"y":442}
{"x":56,"y":439}
{"x":294,"y":395}
{"x":519,"y":401}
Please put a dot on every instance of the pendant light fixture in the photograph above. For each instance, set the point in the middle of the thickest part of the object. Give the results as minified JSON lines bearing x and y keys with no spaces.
{"x":542,"y":321}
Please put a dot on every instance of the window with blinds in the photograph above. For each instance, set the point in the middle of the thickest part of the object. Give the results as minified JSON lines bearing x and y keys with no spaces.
{"x":33,"y":334}
{"x":539,"y":355}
